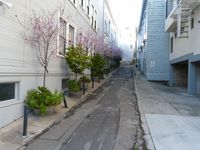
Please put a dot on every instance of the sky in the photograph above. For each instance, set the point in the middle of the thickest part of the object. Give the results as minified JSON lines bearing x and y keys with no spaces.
{"x":126,"y":14}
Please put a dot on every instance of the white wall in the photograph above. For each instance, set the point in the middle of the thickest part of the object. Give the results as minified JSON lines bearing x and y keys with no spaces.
{"x":189,"y":45}
{"x":18,"y":60}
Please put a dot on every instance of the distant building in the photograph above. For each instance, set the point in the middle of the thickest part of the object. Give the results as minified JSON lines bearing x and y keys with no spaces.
{"x":153,"y":41}
{"x":182,"y":21}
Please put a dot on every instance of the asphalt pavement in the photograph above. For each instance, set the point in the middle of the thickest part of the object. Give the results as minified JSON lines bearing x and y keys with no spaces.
{"x":108,"y":120}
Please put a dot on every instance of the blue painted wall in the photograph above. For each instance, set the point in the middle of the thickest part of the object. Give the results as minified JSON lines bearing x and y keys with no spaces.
{"x":157,"y":67}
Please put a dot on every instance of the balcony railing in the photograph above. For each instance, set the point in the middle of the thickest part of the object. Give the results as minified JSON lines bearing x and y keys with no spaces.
{"x":169,"y":7}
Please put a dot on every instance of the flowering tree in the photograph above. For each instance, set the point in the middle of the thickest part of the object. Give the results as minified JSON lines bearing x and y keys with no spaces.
{"x":42,"y":31}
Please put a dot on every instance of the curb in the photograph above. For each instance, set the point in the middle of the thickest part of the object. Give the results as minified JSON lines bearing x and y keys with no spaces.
{"x":147,"y":135}
{"x":66,"y":114}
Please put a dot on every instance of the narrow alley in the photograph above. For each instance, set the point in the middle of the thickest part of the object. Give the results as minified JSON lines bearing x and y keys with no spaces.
{"x":108,"y":120}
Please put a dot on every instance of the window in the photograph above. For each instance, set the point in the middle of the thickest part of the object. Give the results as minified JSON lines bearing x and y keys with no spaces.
{"x":106,"y":27}
{"x":7,"y":91}
{"x":95,"y":20}
{"x":74,"y":1}
{"x":88,"y":7}
{"x":192,"y":23}
{"x":71,"y":35}
{"x":109,"y":27}
{"x":172,"y":46}
{"x":62,"y":36}
{"x":82,"y":3}
{"x":92,"y":16}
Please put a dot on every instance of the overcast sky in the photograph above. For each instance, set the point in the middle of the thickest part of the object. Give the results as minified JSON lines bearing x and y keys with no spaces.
{"x":126,"y":12}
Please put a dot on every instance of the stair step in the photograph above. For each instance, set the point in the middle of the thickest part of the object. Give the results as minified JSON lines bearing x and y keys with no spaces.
{"x":185,"y":9}
{"x":183,"y":37}
{"x":184,"y":21}
{"x":184,"y":32}
{"x":184,"y":26}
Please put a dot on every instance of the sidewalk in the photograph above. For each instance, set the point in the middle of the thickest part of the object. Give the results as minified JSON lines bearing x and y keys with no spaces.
{"x":170,"y":117}
{"x":11,"y":135}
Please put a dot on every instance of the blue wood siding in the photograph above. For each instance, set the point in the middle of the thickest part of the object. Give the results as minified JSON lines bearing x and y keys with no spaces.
{"x":157,"y":67}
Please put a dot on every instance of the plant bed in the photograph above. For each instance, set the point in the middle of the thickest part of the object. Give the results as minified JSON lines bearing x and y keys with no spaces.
{"x":42,"y":101}
{"x":75,"y":94}
{"x":74,"y":88}
{"x":82,"y":80}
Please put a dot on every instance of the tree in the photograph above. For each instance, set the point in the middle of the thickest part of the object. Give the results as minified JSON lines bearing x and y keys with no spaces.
{"x":78,"y":59}
{"x":41,"y":31}
{"x":98,"y":63}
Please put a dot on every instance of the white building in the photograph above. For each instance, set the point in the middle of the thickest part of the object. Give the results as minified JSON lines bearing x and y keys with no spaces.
{"x":19,"y":66}
{"x":183,"y":22}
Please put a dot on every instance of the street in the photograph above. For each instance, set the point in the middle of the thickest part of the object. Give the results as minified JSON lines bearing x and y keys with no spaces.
{"x":107,"y":120}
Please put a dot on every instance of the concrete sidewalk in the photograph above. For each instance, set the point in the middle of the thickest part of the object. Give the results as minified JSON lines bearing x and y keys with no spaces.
{"x":11,"y":135}
{"x":170,"y":117}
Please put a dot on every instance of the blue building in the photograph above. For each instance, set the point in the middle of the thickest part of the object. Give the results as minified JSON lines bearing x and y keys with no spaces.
{"x":153,"y":41}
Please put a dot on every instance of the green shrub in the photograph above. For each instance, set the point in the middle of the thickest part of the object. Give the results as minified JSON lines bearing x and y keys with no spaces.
{"x":41,"y":99}
{"x":84,"y":78}
{"x":73,"y":85}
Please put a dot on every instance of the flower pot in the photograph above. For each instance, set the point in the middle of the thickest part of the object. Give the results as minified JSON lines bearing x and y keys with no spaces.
{"x":86,"y":86}
{"x":50,"y":110}
{"x":75,"y":94}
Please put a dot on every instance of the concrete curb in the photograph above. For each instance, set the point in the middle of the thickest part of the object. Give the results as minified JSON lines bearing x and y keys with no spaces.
{"x":147,"y":135}
{"x":68,"y":113}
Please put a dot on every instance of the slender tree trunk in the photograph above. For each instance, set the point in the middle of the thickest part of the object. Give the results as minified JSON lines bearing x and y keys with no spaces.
{"x":92,"y":82}
{"x":44,"y":76}
{"x":83,"y":84}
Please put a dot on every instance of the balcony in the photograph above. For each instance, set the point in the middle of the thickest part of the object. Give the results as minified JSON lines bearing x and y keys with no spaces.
{"x":177,"y":15}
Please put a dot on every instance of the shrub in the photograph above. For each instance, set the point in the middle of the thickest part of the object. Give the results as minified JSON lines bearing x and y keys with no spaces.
{"x":98,"y":64}
{"x":73,"y":85}
{"x":84,"y":78}
{"x":41,"y":99}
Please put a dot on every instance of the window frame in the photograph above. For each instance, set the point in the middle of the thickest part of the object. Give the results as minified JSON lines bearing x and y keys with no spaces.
{"x":69,"y":43}
{"x":64,"y":36}
{"x":16,"y":94}
{"x":92,"y":16}
{"x":88,"y":7}
{"x":192,"y":23}
{"x":82,"y":3}
{"x":95,"y":19}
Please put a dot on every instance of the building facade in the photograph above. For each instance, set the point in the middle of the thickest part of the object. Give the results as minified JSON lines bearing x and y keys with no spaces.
{"x":153,"y":41}
{"x":20,"y":69}
{"x":182,"y":21}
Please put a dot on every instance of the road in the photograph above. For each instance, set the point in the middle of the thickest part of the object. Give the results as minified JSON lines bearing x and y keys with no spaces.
{"x":108,"y":120}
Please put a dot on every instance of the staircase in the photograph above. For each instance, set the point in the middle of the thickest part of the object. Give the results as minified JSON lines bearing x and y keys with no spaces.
{"x":183,"y":23}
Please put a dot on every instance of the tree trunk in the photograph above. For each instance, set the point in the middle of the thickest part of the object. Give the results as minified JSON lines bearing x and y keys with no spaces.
{"x":44,"y":76}
{"x":83,"y":84}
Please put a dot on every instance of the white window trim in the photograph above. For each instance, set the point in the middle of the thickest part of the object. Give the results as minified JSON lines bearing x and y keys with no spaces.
{"x":88,"y":4}
{"x":17,"y":94}
{"x":58,"y":40}
{"x":75,"y":31}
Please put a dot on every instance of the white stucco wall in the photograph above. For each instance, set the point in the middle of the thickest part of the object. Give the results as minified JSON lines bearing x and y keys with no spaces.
{"x":18,"y":60}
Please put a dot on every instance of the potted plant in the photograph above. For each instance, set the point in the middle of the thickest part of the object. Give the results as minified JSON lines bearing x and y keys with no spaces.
{"x":42,"y":101}
{"x":84,"y":80}
{"x":74,"y":88}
